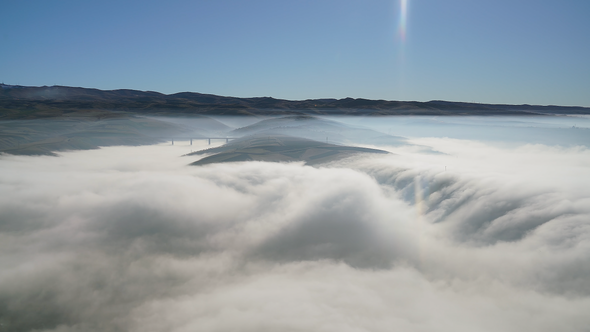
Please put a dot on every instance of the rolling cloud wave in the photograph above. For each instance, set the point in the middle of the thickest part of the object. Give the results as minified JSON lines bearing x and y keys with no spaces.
{"x":131,"y":239}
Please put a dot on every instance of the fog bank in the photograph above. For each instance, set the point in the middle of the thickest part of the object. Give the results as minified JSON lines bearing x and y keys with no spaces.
{"x":443,"y":234}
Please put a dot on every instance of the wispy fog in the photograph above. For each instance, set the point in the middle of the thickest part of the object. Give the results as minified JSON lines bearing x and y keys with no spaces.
{"x":446,"y":233}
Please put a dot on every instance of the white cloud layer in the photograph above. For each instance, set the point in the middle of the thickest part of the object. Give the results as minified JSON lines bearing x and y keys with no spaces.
{"x":132,"y":239}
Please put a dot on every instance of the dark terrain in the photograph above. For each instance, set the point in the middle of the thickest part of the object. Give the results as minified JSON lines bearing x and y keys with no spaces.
{"x":278,"y":148}
{"x":21,"y":102}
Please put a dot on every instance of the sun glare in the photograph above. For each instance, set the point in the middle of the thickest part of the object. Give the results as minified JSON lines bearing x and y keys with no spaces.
{"x":403,"y":16}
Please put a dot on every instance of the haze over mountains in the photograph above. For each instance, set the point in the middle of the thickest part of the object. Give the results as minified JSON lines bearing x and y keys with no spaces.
{"x":47,"y":136}
{"x":23,"y":102}
{"x":279,"y":148}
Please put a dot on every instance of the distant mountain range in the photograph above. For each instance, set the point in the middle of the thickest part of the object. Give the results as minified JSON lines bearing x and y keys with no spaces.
{"x":24,"y":102}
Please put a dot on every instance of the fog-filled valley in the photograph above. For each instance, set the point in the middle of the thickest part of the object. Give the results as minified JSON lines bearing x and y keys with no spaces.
{"x":295,"y":223}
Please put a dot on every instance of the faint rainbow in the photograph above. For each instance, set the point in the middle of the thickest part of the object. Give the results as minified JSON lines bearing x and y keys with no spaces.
{"x":421,"y":204}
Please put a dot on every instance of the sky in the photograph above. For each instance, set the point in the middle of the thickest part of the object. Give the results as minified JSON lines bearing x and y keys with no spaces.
{"x":501,"y":51}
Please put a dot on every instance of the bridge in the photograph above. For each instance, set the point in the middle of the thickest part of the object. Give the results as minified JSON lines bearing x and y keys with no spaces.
{"x":200,"y":138}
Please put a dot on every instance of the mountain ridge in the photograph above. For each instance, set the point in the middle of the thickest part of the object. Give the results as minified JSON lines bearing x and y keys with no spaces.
{"x":49,"y":101}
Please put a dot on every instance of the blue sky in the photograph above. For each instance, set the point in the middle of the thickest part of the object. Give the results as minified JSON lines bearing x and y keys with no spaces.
{"x":500,"y":51}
